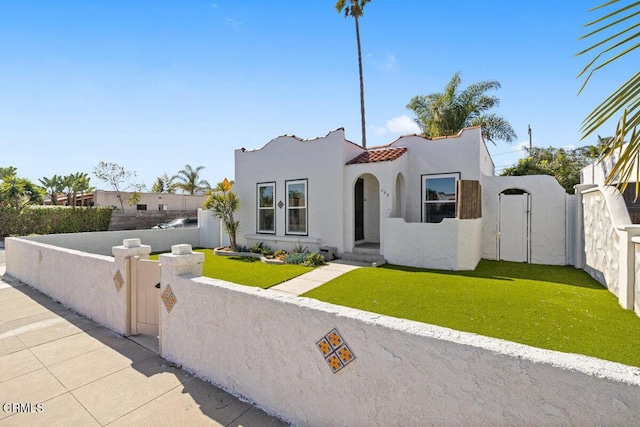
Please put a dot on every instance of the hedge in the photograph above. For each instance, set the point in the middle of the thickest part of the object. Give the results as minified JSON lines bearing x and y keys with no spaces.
{"x":53,"y":220}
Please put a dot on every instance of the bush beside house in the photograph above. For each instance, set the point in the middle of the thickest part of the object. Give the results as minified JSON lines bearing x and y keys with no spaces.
{"x":53,"y":220}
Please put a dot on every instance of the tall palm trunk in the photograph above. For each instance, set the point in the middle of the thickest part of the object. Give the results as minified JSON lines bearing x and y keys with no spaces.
{"x":364,"y":131}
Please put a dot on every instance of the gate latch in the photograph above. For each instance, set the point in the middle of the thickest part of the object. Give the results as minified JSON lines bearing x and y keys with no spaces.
{"x":158,"y":285}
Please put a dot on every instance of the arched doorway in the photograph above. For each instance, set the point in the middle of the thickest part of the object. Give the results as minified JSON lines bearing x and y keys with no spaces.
{"x":366,"y":209}
{"x":514,"y":225}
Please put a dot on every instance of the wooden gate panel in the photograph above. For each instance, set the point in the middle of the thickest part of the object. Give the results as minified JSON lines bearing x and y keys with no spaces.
{"x":514,"y":227}
{"x":145,"y":297}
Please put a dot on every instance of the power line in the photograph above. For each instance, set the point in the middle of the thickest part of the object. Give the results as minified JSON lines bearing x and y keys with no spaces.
{"x":508,"y":152}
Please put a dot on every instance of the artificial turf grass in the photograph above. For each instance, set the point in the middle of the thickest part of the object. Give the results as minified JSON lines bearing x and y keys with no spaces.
{"x":245,"y":270}
{"x":552,"y":307}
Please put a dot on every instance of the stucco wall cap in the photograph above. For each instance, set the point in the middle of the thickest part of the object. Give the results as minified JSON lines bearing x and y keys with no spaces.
{"x":176,"y":261}
{"x":131,"y":243}
{"x":181,"y":249}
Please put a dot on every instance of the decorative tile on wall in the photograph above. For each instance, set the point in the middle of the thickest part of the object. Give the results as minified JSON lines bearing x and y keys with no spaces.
{"x":118,"y":281}
{"x":335,"y":351}
{"x":168,"y":298}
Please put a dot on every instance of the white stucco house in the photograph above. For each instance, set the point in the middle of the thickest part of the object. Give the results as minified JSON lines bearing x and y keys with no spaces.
{"x":432,"y":203}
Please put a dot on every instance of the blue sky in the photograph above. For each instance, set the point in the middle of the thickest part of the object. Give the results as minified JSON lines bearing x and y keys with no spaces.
{"x":154,"y":85}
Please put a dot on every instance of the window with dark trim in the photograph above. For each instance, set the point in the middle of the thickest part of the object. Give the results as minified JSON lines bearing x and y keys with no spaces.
{"x":439,"y":197}
{"x":141,"y":207}
{"x":266,"y":208}
{"x":296,"y":207}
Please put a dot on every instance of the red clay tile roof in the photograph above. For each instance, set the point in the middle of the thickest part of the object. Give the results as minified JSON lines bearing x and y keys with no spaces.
{"x":375,"y":155}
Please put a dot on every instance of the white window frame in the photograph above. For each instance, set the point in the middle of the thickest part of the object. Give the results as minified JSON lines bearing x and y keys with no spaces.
{"x":305,"y":207}
{"x":424,"y":199}
{"x":259,"y":208}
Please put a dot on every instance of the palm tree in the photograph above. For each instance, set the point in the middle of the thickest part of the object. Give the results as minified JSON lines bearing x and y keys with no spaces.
{"x":54,"y":186}
{"x":224,"y":203}
{"x":354,"y":8}
{"x":189,"y":180}
{"x":17,"y":192}
{"x":447,"y":113}
{"x":616,"y":41}
{"x":82,"y":185}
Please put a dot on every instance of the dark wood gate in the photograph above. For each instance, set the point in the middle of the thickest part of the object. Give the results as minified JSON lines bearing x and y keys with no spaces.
{"x":359,"y":209}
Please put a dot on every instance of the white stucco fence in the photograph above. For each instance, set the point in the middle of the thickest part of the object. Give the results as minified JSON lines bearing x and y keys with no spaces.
{"x":453,"y":244}
{"x":609,"y":252}
{"x":101,"y":242}
{"x":262,"y":345}
{"x":79,"y":280}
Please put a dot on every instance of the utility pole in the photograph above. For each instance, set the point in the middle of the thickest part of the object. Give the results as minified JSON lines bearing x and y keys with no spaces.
{"x":530,"y":144}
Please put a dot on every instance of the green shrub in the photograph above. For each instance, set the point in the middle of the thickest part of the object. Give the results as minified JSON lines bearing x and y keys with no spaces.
{"x":53,"y":220}
{"x":257,"y":248}
{"x":295,"y":258}
{"x":313,"y":259}
{"x":279,"y":252}
{"x":299,"y":249}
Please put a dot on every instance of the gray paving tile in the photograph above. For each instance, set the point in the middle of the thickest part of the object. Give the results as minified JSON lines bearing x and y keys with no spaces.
{"x":34,"y":387}
{"x":113,"y":396}
{"x":18,"y":363}
{"x":61,"y":411}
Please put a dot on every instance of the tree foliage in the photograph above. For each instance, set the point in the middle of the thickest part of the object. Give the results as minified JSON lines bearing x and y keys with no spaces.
{"x":188,"y":180}
{"x":17,"y":192}
{"x":164,"y":184}
{"x":118,"y":178}
{"x":52,"y":220}
{"x":447,"y":113}
{"x":355,"y":8}
{"x":224,"y":203}
{"x":615,"y":35}
{"x":563,"y":164}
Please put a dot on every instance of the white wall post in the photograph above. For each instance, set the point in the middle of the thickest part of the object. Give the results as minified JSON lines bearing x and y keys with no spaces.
{"x":181,"y":261}
{"x":627,"y":266}
{"x":123,"y":255}
{"x":579,"y":256}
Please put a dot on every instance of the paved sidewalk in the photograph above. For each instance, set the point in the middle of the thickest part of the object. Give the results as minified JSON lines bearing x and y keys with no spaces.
{"x":319,"y":276}
{"x":73,"y":372}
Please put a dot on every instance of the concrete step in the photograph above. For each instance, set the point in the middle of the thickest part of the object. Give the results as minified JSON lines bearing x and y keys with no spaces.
{"x":360,"y":257}
{"x":367,"y":250}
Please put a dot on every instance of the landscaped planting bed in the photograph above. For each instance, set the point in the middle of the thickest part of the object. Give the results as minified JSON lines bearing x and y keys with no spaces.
{"x":246,"y":271}
{"x":552,"y":307}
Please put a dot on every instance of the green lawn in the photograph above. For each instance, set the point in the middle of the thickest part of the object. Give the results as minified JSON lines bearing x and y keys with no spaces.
{"x":557,"y":308}
{"x":246,"y":271}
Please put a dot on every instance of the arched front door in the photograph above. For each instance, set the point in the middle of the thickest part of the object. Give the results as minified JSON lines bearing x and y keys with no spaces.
{"x":366,"y":194}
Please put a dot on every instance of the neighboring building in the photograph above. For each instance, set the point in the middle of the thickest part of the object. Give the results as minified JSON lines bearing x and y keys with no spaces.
{"x":148,"y":201}
{"x":417,"y":201}
{"x":150,"y":210}
{"x":151,"y":201}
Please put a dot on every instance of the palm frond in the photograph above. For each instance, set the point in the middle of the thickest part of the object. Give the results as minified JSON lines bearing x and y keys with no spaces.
{"x":624,"y":101}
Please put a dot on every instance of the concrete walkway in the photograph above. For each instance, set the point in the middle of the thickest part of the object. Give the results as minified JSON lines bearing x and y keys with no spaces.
{"x":319,"y":276}
{"x":74,"y":372}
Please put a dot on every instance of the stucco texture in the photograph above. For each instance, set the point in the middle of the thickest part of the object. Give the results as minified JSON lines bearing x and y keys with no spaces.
{"x":450,"y":245}
{"x":548,"y":227}
{"x":262,"y":345}
{"x":82,"y":281}
{"x":602,"y":214}
{"x":102,"y":242}
{"x":320,"y":162}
